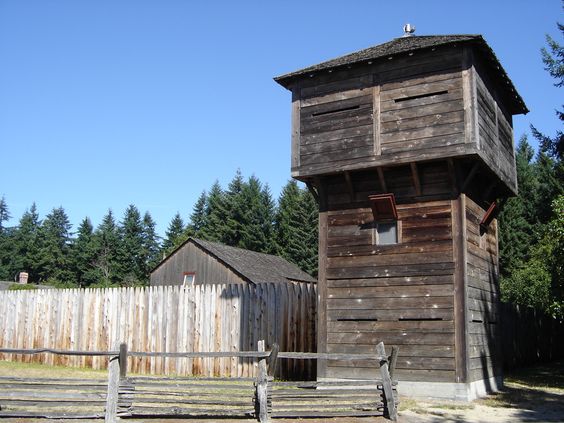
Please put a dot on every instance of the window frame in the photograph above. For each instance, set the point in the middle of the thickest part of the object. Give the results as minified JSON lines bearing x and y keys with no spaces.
{"x":185,"y":274}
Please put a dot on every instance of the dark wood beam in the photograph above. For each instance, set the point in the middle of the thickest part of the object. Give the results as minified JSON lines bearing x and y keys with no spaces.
{"x":312,"y":191}
{"x":382,"y":179}
{"x":470,"y":176}
{"x":350,"y":186}
{"x":415,"y":177}
{"x":489,"y":189}
{"x":452,"y":176}
{"x":322,"y":193}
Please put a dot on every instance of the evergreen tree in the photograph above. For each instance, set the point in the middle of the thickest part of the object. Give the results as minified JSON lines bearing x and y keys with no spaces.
{"x":214,"y":228}
{"x":131,"y":261}
{"x":4,"y":214}
{"x":173,"y":234}
{"x":255,"y":231}
{"x":553,"y":59}
{"x":151,"y":248}
{"x":83,"y":254}
{"x":296,"y":227}
{"x":518,"y":216}
{"x":6,"y":249}
{"x":54,"y":248}
{"x":107,"y":244}
{"x":26,"y":245}
{"x":199,"y":216}
{"x":235,"y":211}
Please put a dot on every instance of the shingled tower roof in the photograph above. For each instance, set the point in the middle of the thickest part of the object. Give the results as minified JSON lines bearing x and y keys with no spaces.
{"x":406,"y":45}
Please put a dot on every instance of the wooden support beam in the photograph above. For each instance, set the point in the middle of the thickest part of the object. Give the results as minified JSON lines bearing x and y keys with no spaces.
{"x":452,"y":176}
{"x":382,"y":179}
{"x":312,"y":191}
{"x":489,"y":189}
{"x":415,"y":177}
{"x":470,"y":176}
{"x":322,"y":192}
{"x":350,"y":186}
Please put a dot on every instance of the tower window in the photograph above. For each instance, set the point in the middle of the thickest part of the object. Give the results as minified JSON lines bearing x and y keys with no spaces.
{"x":386,"y":233}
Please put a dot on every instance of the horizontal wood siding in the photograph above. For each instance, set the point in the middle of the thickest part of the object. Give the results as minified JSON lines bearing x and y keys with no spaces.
{"x":381,"y":113}
{"x":337,"y":127}
{"x":190,"y":258}
{"x":399,"y":294}
{"x":164,"y":319}
{"x":496,"y":135}
{"x":422,"y":113}
{"x":484,"y":323}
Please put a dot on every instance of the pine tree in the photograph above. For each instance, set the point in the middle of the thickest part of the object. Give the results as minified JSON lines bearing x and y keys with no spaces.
{"x":214,"y":228}
{"x":173,"y":234}
{"x":131,"y":247}
{"x":518,"y":216}
{"x":296,"y":227}
{"x":26,"y":245}
{"x":151,"y":248}
{"x":54,"y":251}
{"x":235,"y":211}
{"x":553,"y":59}
{"x":83,"y":253}
{"x":255,"y":229}
{"x":199,"y":216}
{"x":107,"y":244}
{"x":6,"y":244}
{"x":4,"y":214}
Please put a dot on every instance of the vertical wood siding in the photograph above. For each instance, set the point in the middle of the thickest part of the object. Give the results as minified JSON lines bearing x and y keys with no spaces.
{"x":164,"y":318}
{"x":190,"y":258}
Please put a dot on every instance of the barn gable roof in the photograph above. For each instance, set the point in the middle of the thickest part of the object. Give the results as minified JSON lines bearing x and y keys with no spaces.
{"x":253,"y":266}
{"x":404,"y":45}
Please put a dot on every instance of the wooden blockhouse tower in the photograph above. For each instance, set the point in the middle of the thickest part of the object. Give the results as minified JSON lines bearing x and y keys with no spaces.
{"x":407,"y":146}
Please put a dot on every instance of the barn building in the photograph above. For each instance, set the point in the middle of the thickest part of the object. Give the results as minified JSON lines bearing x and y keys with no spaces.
{"x":204,"y":262}
{"x":407,"y":146}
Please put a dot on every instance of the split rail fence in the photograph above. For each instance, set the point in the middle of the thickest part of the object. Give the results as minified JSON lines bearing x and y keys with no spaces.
{"x":223,"y":317}
{"x":261,"y":397}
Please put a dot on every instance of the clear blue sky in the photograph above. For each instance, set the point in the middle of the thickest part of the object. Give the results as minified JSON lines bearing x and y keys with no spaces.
{"x":108,"y":103}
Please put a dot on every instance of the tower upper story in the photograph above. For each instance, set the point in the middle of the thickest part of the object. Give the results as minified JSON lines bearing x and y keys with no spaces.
{"x":413,"y":99}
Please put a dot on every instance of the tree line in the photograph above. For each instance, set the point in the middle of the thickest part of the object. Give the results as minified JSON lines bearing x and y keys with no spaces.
{"x":532,"y":224}
{"x":122,"y":253}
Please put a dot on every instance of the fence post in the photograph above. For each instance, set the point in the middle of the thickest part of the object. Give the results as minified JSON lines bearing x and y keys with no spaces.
{"x":113,"y":387}
{"x":389,"y":400}
{"x":393,"y":359}
{"x":273,"y":359}
{"x":122,"y":360}
{"x":261,"y":405}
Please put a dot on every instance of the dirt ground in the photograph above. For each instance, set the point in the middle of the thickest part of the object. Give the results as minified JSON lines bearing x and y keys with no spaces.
{"x":534,"y":394}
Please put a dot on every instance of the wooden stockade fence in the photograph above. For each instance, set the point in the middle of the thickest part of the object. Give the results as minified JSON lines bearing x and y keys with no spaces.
{"x":147,"y":396}
{"x":171,"y":318}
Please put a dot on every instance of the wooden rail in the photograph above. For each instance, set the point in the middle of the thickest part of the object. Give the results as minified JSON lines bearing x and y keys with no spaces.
{"x":151,"y":396}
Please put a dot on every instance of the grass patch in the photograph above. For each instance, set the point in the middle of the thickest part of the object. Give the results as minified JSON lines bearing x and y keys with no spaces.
{"x":31,"y":370}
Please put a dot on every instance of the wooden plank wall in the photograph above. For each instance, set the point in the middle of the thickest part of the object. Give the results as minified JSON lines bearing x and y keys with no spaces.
{"x":421,"y":114}
{"x":384,"y":112}
{"x":398,"y":294}
{"x":172,"y":318}
{"x":495,"y":134}
{"x":484,"y":327}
